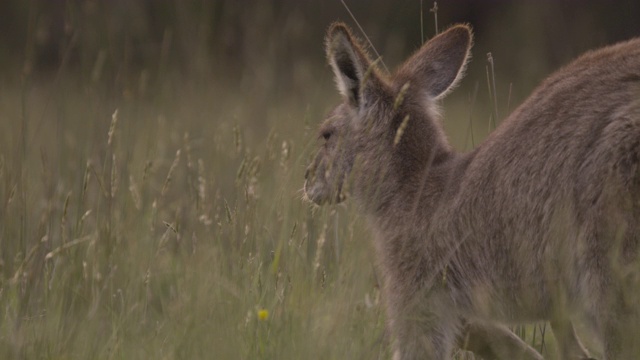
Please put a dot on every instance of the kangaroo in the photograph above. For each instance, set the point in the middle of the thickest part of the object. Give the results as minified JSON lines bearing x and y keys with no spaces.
{"x":539,"y":222}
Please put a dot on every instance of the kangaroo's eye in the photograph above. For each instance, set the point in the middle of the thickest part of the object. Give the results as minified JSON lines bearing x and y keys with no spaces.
{"x":326,"y":135}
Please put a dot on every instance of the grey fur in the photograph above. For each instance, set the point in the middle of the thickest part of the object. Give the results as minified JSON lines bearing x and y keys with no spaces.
{"x":539,"y":222}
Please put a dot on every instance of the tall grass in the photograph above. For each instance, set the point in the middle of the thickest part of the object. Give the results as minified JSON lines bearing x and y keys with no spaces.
{"x":148,"y":215}
{"x":136,"y":231}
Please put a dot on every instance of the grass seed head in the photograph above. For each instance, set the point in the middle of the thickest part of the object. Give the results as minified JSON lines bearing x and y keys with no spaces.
{"x":112,"y":127}
{"x":401,"y":129}
{"x":173,"y":167}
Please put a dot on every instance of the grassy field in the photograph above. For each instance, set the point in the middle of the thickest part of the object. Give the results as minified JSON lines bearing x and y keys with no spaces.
{"x":157,"y":216}
{"x":173,"y":227}
{"x":170,"y":225}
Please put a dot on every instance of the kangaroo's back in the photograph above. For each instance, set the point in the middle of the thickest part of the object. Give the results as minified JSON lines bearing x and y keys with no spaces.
{"x":555,"y":189}
{"x":576,"y":134}
{"x":589,"y":108}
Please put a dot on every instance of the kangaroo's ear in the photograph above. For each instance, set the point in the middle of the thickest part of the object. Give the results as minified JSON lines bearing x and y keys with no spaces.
{"x":439,"y":64}
{"x":353,"y":70}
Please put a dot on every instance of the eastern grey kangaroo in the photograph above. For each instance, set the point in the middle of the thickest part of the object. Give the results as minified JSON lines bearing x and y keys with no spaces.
{"x":539,"y":222}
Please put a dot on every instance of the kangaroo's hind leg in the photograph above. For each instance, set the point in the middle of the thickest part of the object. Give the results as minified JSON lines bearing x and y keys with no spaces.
{"x":569,"y":344}
{"x":620,"y":323}
{"x":494,"y":341}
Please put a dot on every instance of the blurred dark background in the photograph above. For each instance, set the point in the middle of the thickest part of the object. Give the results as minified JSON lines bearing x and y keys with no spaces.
{"x":274,"y":48}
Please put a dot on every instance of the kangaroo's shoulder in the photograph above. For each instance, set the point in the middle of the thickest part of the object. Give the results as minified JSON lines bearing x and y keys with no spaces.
{"x":613,"y":64}
{"x":597,"y":85}
{"x":586,"y":112}
{"x":621,"y":51}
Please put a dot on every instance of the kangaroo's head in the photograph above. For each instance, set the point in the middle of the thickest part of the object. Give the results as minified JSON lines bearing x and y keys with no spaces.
{"x":386,"y":127}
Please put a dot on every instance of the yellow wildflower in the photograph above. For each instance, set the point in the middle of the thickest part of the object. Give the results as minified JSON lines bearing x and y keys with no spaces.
{"x":263,"y":314}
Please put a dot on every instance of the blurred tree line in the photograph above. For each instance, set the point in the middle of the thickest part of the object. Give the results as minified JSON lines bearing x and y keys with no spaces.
{"x":128,"y":44}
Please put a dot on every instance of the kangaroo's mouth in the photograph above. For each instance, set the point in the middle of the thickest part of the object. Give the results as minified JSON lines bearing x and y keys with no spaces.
{"x":321,"y":194}
{"x":314,"y":194}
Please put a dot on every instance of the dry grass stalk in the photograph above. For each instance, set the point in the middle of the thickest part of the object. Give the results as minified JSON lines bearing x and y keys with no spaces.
{"x":112,"y":127}
{"x":173,"y":167}
{"x":135,"y":193}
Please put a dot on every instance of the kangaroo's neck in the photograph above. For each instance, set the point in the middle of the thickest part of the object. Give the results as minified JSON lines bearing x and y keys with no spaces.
{"x":409,"y":180}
